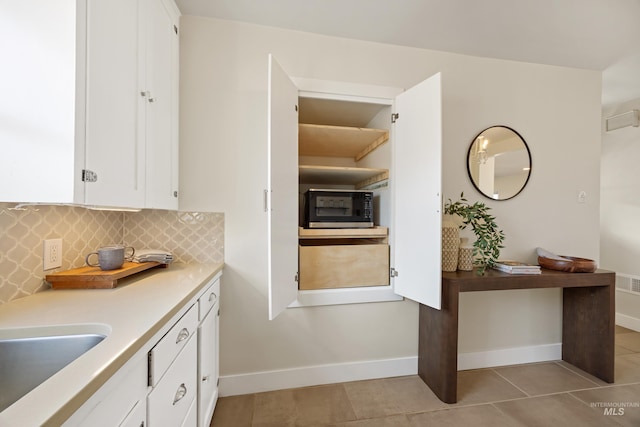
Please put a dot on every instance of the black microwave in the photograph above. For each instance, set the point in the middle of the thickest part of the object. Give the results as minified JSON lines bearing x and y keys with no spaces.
{"x":338,"y":209}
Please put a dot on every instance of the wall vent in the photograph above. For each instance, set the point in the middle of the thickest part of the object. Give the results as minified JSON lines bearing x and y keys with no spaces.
{"x":628,"y":283}
{"x":630,"y":118}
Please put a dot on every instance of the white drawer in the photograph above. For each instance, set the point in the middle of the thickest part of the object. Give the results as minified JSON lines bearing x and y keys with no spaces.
{"x":161,"y":356}
{"x":170,"y":401}
{"x":209,"y":298}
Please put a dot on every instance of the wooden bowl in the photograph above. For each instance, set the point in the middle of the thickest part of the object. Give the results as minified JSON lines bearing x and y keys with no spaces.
{"x":571,"y":265}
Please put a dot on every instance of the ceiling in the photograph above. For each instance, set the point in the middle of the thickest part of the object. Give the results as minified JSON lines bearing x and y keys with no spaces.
{"x":593,"y":34}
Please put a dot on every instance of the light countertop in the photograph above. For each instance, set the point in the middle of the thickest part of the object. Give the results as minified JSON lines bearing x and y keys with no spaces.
{"x":132,"y":313}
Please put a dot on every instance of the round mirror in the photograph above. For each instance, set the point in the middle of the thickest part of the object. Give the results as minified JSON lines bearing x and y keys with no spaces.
{"x":499,"y":162}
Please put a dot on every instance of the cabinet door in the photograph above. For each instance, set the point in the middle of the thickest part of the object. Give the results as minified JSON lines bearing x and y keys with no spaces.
{"x":191,"y":420}
{"x":161,"y":97}
{"x":42,"y":72}
{"x":112,"y":148}
{"x":121,"y":401}
{"x":282,"y":193}
{"x":137,"y":416}
{"x":207,"y":367}
{"x":417,"y":181}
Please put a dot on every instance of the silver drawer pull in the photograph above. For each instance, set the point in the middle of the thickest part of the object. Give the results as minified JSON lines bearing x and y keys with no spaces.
{"x":183,"y":335}
{"x":182,"y":391}
{"x":213,"y":296}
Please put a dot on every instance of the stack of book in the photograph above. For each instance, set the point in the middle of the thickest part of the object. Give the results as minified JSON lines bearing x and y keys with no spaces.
{"x":516,"y":267}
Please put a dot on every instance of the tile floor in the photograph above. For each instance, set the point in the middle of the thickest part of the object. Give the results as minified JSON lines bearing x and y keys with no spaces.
{"x":539,"y":394}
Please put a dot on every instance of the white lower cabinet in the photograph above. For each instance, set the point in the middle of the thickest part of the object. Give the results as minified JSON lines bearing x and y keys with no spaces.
{"x":120,"y":402}
{"x":192,"y":416}
{"x":208,"y":345}
{"x":172,"y":381}
{"x":172,"y":373}
{"x":137,"y":416}
{"x":169,"y":402}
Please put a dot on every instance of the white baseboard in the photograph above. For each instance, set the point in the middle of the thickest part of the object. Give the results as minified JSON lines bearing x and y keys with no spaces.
{"x":509,"y":356}
{"x":256,"y":382}
{"x":628,"y":321}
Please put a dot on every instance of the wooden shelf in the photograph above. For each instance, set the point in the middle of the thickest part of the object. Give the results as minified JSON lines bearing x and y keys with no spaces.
{"x":343,"y":233}
{"x":339,"y":141}
{"x":339,"y":175}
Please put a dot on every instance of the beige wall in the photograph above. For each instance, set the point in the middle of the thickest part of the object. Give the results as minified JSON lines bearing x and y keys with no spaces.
{"x":620,"y":208}
{"x":190,"y":236}
{"x":223,"y":104}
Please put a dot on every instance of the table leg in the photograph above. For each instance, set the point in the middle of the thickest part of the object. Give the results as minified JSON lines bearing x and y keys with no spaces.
{"x":588,"y":329}
{"x":438,"y":346}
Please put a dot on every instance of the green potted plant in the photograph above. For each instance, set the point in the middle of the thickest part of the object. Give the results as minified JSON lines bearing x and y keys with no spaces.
{"x":489,"y":238}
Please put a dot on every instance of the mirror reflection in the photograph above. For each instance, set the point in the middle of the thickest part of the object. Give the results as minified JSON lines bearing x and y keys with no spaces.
{"x":499,"y":162}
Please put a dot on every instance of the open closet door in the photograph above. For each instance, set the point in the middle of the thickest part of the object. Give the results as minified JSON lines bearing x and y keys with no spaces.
{"x":417,"y":182}
{"x":282,"y":193}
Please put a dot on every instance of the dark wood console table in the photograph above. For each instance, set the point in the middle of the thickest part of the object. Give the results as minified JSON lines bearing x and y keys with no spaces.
{"x":588,"y":322}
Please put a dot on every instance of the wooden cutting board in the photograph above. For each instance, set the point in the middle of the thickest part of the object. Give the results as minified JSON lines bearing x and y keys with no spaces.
{"x":94,"y":278}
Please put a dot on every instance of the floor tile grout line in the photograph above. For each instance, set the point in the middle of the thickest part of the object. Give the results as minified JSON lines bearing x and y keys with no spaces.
{"x":510,"y":382}
{"x":502,"y":411}
{"x":577,"y":373}
{"x":580,"y":400}
{"x":627,"y":348}
{"x":353,"y":409}
{"x":566,"y":392}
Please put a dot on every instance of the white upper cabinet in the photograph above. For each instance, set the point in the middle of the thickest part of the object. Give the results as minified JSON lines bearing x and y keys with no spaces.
{"x":41,"y":101}
{"x":409,"y":203}
{"x":281,"y":198}
{"x":113,"y":150}
{"x":161,"y":70}
{"x":78,"y":127}
{"x":416,"y":185}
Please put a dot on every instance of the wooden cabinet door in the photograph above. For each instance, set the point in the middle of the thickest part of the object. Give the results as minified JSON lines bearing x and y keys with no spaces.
{"x":417,"y":181}
{"x":281,"y":196}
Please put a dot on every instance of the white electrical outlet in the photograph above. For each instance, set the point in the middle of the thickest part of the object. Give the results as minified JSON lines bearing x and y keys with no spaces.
{"x":582,"y":196}
{"x":52,"y":254}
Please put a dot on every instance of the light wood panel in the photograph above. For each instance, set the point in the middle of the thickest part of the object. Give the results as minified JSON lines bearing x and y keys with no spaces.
{"x":339,"y":141}
{"x":339,"y":175}
{"x":343,"y":233}
{"x":343,"y":266}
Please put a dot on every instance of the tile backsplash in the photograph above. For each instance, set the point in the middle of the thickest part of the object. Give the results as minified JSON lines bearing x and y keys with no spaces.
{"x":190,"y":236}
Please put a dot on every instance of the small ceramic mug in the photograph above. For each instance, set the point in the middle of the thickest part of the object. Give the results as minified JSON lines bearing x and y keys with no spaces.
{"x":111,"y":257}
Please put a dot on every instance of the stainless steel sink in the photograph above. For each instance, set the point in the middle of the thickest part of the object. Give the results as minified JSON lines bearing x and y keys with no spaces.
{"x":26,"y":362}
